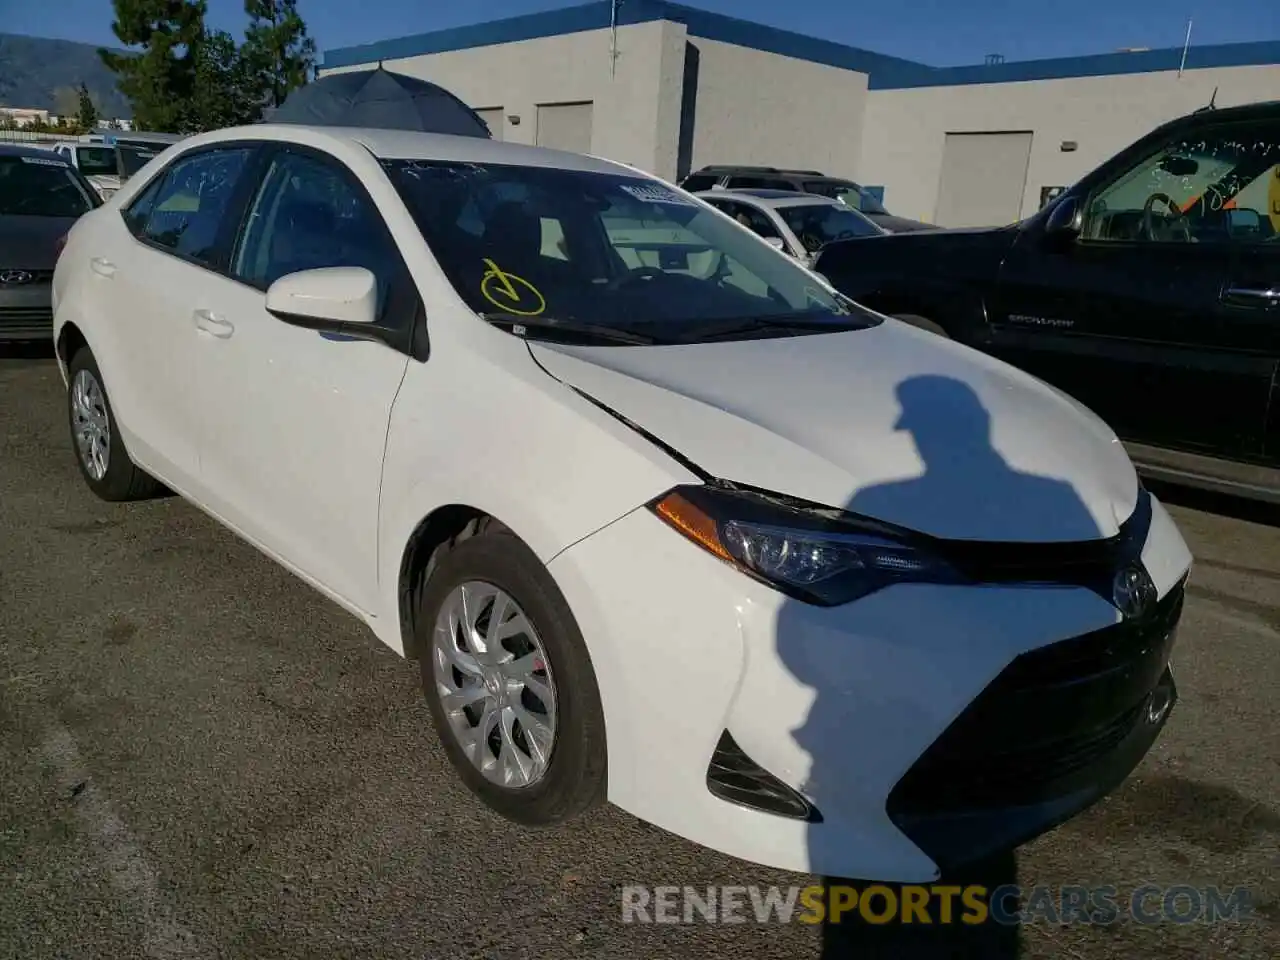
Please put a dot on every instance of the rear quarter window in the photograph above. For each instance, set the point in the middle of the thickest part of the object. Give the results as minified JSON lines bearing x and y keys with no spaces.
{"x":699,"y":181}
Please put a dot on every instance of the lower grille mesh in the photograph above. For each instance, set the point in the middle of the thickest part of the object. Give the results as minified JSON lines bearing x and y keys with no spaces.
{"x":735,"y":777}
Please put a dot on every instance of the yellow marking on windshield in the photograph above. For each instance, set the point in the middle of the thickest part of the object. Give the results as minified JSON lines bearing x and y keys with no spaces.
{"x":500,"y":288}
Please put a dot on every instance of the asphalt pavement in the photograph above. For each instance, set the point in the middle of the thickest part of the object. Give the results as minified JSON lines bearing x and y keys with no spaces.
{"x":202,"y":757}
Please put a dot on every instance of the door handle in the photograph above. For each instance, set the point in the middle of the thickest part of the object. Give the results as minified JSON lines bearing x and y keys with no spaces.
{"x":212,"y":324}
{"x":103,"y":268}
{"x":1270,"y":295}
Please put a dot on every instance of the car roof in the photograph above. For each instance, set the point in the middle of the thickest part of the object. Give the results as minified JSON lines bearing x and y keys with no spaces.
{"x":776,"y":198}
{"x":21,"y":150}
{"x":413,"y":145}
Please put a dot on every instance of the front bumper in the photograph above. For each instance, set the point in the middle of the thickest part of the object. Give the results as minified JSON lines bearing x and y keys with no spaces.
{"x":26,"y":311}
{"x":887,"y":718}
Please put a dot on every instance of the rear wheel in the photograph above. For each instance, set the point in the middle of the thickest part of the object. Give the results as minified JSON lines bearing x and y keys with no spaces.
{"x":100,"y":453}
{"x":507,"y":678}
{"x":922,"y":323}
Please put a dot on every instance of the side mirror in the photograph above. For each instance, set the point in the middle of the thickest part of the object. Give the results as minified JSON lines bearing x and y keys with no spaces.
{"x":341,"y":300}
{"x":1065,"y":220}
{"x":1243,"y":220}
{"x":776,"y":243}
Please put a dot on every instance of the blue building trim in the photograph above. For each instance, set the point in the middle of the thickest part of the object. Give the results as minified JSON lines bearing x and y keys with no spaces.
{"x":884,"y":72}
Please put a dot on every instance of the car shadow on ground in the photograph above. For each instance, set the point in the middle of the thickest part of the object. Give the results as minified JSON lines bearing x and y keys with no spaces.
{"x":27,"y":350}
{"x":963,"y":475}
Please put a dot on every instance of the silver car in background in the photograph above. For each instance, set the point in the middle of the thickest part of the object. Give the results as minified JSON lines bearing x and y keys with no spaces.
{"x":41,"y":197}
{"x":798,"y":224}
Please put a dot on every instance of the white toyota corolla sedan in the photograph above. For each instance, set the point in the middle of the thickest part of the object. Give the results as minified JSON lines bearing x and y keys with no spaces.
{"x":664,"y":519}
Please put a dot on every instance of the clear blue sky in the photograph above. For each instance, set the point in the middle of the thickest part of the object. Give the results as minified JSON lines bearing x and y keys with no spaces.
{"x":938,"y":32}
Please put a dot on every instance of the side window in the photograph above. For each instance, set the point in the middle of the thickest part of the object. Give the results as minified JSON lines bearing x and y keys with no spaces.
{"x":1207,"y":188}
{"x":307,"y":215}
{"x":698,"y":181}
{"x":187,"y":210}
{"x":755,"y":220}
{"x":846,"y":194}
{"x":139,"y":209}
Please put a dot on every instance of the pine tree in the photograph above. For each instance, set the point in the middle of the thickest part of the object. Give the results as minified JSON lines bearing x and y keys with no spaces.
{"x":160,"y":79}
{"x":277,"y":50}
{"x":87,"y":114}
{"x":224,"y":94}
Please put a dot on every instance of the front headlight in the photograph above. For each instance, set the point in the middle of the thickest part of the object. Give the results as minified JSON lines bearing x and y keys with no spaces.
{"x":819,"y":555}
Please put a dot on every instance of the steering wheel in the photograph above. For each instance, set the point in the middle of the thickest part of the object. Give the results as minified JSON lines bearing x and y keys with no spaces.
{"x":1177,"y":222}
{"x":634,"y":276}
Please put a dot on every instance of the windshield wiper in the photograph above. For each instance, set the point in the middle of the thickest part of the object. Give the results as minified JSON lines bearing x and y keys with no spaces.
{"x":783,"y":323}
{"x":572,"y":327}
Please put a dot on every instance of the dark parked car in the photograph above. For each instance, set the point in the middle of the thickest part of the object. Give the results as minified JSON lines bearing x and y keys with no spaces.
{"x":1149,"y":291}
{"x":41,"y":197}
{"x":802,"y":181}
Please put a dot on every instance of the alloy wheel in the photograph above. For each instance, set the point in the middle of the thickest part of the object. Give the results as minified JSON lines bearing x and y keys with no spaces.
{"x":495,"y":684}
{"x":91,"y":424}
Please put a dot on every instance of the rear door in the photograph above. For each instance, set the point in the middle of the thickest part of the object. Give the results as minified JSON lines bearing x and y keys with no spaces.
{"x":1137,"y":318}
{"x":149,"y":273}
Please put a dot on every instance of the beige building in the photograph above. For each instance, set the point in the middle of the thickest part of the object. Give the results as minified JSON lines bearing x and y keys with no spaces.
{"x":670,"y":88}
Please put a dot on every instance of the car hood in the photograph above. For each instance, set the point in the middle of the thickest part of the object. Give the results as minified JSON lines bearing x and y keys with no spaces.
{"x":31,"y":243}
{"x":887,"y":422}
{"x":900,"y":224}
{"x":948,"y":251}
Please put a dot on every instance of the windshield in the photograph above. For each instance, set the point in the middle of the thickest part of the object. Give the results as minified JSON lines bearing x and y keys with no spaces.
{"x":96,"y":161}
{"x":602,"y":249}
{"x":133,"y":159}
{"x":817,"y":224}
{"x":36,"y":187}
{"x":848,"y":193}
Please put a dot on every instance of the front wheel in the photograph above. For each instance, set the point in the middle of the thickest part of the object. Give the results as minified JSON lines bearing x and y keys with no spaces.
{"x":100,"y":453}
{"x":508,"y":680}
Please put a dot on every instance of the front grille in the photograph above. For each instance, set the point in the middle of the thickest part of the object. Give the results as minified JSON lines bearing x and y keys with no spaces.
{"x":1087,"y":563}
{"x":735,"y":777}
{"x":37,"y":276}
{"x":23,"y":322}
{"x":1049,"y":716}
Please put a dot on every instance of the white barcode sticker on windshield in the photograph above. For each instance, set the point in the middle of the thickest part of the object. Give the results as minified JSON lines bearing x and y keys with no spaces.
{"x":41,"y":161}
{"x":657,"y":194}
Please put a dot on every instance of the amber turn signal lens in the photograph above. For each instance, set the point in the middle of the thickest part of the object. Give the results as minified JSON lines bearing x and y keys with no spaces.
{"x":694,"y":523}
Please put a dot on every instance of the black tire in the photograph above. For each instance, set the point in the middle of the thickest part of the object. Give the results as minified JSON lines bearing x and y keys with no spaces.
{"x":123,"y":480}
{"x":575,"y":778}
{"x":922,"y":323}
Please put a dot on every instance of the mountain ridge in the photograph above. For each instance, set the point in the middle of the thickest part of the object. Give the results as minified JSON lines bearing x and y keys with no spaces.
{"x":37,"y":72}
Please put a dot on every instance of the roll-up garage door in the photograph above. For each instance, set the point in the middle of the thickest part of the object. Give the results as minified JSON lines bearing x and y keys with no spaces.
{"x":565,"y":126}
{"x":984,"y":176}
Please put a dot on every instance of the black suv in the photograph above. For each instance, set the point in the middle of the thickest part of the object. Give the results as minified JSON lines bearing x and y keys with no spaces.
{"x":800,"y":181}
{"x":1149,"y":291}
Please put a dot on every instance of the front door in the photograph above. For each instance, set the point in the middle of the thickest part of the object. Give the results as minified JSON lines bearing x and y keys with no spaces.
{"x":1134,"y":317}
{"x":294,"y":458}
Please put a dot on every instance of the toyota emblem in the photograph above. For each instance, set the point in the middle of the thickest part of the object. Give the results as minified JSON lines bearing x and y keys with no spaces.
{"x":1132,"y":591}
{"x":14,"y":278}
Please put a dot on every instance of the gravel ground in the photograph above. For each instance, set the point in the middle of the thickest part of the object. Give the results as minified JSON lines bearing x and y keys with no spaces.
{"x":202,"y":757}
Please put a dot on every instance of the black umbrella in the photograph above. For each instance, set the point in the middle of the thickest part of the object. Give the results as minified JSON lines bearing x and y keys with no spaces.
{"x":379,"y":98}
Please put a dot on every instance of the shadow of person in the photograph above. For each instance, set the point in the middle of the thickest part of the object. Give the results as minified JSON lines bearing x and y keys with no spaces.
{"x":894,"y":671}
